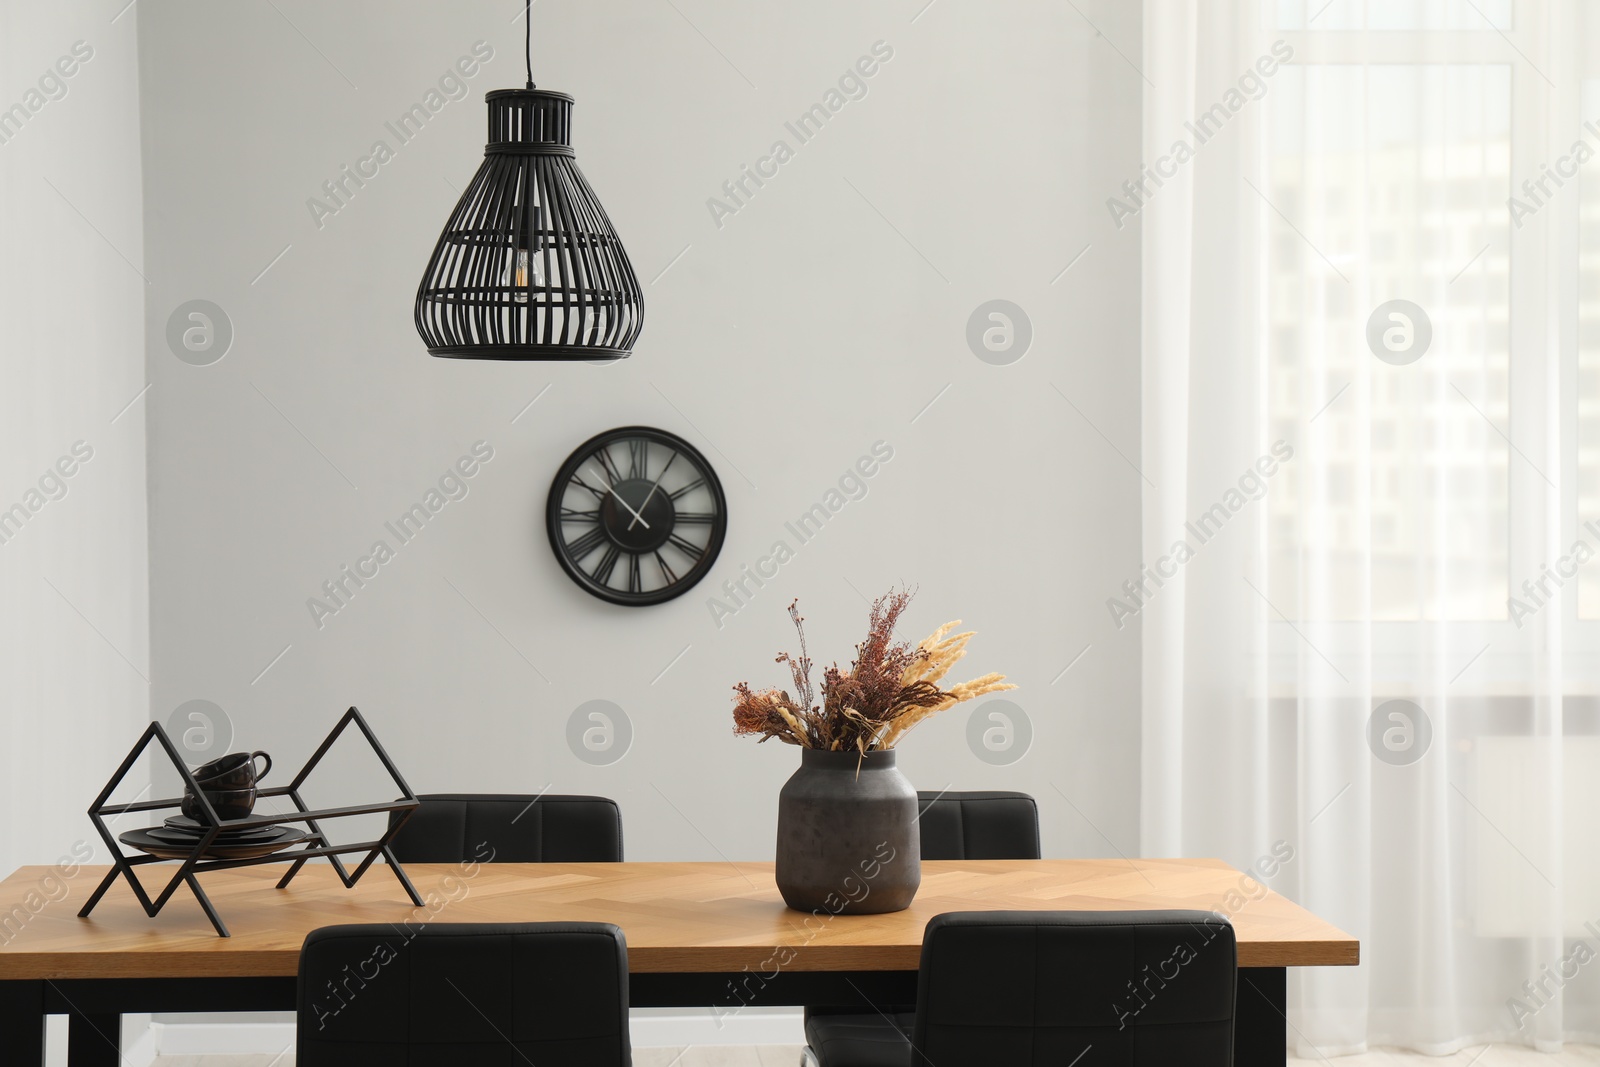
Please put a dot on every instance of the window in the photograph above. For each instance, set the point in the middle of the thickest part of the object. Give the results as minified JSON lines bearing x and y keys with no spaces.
{"x":1398,"y":176}
{"x":1334,"y":15}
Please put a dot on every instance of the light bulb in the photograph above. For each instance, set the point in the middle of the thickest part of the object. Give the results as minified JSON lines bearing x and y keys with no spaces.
{"x":523,"y":273}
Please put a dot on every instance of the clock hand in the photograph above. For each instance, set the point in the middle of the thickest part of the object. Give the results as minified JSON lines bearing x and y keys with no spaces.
{"x":636,"y":516}
{"x":652,"y":492}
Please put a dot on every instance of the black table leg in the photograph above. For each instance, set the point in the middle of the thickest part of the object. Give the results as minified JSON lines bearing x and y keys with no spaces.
{"x":94,"y":1040}
{"x":21,"y":1024}
{"x":1260,"y":1028}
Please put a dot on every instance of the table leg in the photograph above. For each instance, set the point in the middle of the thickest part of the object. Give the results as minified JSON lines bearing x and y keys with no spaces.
{"x":1260,"y":1028}
{"x":94,"y":1040}
{"x":21,"y":1024}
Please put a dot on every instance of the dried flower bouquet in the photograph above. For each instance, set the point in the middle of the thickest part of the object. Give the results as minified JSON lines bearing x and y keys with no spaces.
{"x":889,"y":688}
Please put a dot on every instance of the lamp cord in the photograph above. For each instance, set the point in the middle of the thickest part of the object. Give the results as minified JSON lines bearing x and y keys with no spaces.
{"x":527,"y":38}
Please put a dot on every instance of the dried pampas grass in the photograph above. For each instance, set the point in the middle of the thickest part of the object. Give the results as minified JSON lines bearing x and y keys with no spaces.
{"x":889,"y":688}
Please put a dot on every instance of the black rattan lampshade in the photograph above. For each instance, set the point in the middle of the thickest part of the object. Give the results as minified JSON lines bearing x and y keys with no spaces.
{"x":528,"y":267}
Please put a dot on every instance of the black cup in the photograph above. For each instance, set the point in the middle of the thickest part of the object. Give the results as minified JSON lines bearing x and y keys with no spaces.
{"x":227,"y":803}
{"x":236,"y":770}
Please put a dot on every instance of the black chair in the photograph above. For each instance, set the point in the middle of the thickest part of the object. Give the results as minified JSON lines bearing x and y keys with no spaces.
{"x":1024,"y":989}
{"x":463,"y":993}
{"x":978,"y":826}
{"x":974,"y":825}
{"x":507,"y":828}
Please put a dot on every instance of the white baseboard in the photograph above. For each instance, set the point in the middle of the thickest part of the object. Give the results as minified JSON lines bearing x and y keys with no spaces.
{"x":138,"y":1041}
{"x":650,"y":1028}
{"x":222,"y":1039}
{"x":678,"y":1027}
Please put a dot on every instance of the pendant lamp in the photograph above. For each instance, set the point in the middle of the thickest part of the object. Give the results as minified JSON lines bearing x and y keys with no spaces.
{"x":529,"y":266}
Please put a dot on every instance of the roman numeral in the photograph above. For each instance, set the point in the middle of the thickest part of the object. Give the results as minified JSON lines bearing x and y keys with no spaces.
{"x":635,"y":579}
{"x":664,"y":470}
{"x":638,"y":457}
{"x":586,"y":544}
{"x":608,"y":563}
{"x":599,"y":493}
{"x":699,"y":518}
{"x":573,"y":515}
{"x":697,"y":483}
{"x":604,"y":456}
{"x":693,"y":551}
{"x":667,"y":573}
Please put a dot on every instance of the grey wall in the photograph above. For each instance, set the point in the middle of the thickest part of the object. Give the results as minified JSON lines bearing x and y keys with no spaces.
{"x":824,"y":316}
{"x":74,"y":639}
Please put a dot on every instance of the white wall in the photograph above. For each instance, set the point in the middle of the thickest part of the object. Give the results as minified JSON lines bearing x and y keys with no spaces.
{"x":783,"y":344}
{"x":74,"y":635}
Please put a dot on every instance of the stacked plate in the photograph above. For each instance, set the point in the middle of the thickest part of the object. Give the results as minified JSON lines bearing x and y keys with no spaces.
{"x":176,"y":840}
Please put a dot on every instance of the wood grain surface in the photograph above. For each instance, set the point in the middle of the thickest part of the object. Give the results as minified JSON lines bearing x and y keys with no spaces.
{"x":678,"y":917}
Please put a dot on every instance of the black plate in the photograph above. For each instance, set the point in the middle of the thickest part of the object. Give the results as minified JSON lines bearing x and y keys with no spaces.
{"x":183,"y":822}
{"x":226,"y":837}
{"x":282,"y":838}
{"x":181,"y":825}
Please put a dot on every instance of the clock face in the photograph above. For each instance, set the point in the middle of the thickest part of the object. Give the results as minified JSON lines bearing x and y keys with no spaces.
{"x":636,"y":516}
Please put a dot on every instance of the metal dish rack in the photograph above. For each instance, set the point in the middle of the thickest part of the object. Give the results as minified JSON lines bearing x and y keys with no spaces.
{"x":194,"y":864}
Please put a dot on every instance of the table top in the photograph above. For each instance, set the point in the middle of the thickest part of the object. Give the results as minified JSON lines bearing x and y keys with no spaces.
{"x":677,"y":917}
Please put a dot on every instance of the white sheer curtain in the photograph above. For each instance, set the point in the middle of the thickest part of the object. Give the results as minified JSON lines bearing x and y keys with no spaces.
{"x":1381,"y":650}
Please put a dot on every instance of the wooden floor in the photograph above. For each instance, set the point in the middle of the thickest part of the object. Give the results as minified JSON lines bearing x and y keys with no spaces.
{"x":789,"y":1056}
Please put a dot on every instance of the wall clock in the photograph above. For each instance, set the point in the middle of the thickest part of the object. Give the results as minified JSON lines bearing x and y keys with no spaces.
{"x":636,"y":516}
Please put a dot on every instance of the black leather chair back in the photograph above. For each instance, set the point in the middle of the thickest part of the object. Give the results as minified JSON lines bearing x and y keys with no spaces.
{"x":508,"y":828}
{"x":1029,"y":988}
{"x":979,"y":826}
{"x":470,"y":993}
{"x":974,"y":825}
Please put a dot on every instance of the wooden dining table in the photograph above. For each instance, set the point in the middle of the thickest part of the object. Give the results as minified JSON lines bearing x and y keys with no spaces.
{"x":705,"y":935}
